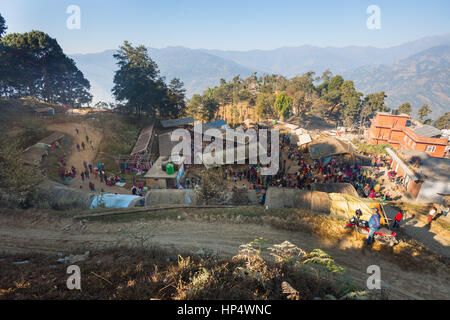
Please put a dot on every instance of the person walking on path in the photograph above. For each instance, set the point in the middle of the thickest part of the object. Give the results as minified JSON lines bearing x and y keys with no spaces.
{"x":76,"y":129}
{"x":78,"y":147}
{"x":431,"y":215}
{"x":90,"y":168}
{"x":92,"y":145}
{"x":82,"y":176}
{"x":83,"y":146}
{"x":397,"y":220}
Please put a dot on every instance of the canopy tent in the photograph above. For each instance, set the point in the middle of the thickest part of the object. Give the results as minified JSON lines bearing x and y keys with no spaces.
{"x":144,"y":140}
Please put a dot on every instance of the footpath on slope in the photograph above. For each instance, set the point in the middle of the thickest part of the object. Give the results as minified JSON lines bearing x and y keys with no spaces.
{"x":76,"y":158}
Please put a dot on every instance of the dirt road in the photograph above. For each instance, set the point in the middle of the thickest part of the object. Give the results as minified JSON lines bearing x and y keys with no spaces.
{"x":76,"y":158}
{"x":417,"y":230}
{"x":35,"y":233}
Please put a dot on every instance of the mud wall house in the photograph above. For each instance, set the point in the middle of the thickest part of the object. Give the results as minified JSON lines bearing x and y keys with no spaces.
{"x":424,"y":177}
{"x":396,"y":130}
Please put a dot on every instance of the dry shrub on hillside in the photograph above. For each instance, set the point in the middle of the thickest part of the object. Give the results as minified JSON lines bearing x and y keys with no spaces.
{"x":157,"y":274}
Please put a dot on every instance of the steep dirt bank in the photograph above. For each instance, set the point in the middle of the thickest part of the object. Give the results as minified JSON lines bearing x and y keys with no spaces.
{"x":47,"y":234}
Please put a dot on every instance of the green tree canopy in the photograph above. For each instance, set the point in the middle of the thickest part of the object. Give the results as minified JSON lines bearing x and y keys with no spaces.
{"x":283,"y":105}
{"x":175,"y":105}
{"x":264,"y":104}
{"x":405,"y":108}
{"x":423,"y":112}
{"x":351,"y":103}
{"x":375,"y":102}
{"x":3,"y":26}
{"x":443,"y":122}
{"x":137,"y":83}
{"x":35,"y":65}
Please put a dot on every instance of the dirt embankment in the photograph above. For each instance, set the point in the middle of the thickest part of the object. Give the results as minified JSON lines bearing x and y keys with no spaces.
{"x":25,"y":233}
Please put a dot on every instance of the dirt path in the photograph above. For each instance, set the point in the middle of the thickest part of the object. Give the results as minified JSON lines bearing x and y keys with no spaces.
{"x":76,"y":157}
{"x":421,"y":233}
{"x":49,"y":235}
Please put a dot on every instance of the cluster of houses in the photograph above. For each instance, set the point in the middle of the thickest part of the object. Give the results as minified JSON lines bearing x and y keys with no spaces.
{"x":420,"y":154}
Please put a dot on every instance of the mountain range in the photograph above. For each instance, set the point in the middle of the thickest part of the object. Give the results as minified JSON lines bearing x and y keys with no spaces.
{"x":417,"y":71}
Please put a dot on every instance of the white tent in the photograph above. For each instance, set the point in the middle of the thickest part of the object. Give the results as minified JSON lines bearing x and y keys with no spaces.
{"x":304,"y":139}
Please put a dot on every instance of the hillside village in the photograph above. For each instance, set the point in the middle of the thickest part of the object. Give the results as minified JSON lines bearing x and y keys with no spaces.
{"x":106,"y":186}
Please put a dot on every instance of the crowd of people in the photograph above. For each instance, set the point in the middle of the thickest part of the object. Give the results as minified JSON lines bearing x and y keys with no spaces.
{"x":137,"y":163}
{"x":96,"y":172}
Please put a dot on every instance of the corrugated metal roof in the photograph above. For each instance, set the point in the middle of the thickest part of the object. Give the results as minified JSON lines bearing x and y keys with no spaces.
{"x":427,"y":131}
{"x":55,"y":136}
{"x":430,"y":168}
{"x":143,"y":140}
{"x":176,"y":122}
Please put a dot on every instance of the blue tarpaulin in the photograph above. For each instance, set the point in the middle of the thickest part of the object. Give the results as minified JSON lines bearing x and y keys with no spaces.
{"x":111,"y":200}
{"x":217,"y":123}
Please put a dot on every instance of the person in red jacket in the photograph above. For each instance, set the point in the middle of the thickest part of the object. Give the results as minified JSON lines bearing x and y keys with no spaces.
{"x":397,"y":220}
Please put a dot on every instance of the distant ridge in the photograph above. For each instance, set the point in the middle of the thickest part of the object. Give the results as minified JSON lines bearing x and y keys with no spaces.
{"x":201,"y":68}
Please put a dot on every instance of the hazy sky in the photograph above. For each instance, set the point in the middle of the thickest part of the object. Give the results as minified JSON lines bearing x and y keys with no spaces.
{"x":228,"y":25}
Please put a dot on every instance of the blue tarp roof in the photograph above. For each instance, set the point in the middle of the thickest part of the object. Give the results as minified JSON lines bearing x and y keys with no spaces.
{"x":111,"y":200}
{"x":217,"y":123}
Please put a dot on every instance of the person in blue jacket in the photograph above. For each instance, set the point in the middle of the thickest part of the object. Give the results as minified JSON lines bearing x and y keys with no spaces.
{"x":374,"y":225}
